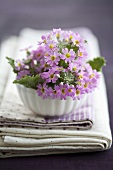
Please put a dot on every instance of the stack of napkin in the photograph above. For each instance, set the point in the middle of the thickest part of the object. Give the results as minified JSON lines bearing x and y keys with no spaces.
{"x":23,"y":133}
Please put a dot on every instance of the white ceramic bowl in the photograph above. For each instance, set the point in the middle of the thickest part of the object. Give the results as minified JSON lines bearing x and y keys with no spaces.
{"x":47,"y":107}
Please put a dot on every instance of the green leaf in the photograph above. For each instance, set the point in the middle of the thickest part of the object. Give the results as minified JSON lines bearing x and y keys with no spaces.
{"x":85,"y":41}
{"x":28,"y":61}
{"x":30,"y":82}
{"x":97,"y":63}
{"x":75,"y":48}
{"x":11,"y":62}
{"x":67,"y":77}
{"x":28,"y":53}
{"x":62,"y":45}
{"x":62,"y":63}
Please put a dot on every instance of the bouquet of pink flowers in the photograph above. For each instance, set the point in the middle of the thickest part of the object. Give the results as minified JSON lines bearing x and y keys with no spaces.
{"x":58,"y":67}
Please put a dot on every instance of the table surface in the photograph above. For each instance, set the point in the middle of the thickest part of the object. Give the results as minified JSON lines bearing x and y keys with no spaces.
{"x":40,"y":14}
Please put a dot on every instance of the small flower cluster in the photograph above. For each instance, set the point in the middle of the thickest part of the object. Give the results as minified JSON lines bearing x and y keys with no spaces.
{"x":60,"y":61}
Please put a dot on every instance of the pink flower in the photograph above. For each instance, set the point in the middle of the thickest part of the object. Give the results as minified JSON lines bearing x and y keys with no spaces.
{"x":74,"y":66}
{"x":79,"y":92}
{"x":77,"y":40}
{"x":19,"y":65}
{"x":50,"y":76}
{"x":62,"y":91}
{"x":39,"y":53}
{"x":51,"y":46}
{"x":71,"y":91}
{"x":43,"y":65}
{"x":42,"y":90}
{"x":57,"y":33}
{"x":82,"y":54}
{"x":22,"y":74}
{"x":54,"y":93}
{"x":68,"y":55}
{"x":52,"y":58}
{"x":45,"y":38}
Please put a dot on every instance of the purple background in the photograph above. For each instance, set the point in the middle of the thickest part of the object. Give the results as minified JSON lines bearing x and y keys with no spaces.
{"x":48,"y":14}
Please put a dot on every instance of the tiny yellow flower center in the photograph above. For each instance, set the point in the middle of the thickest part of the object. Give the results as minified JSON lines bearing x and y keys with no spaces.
{"x":52,"y":76}
{"x":91,"y":76}
{"x":77,"y":92}
{"x":74,"y":68}
{"x":54,"y":91}
{"x":58,"y":35}
{"x":53,"y":57}
{"x":42,"y":90}
{"x":46,"y":65}
{"x":70,"y":90}
{"x":80,"y":76}
{"x":85,"y":85}
{"x":38,"y":55}
{"x":23,"y":76}
{"x":68,"y":55}
{"x":76,"y":42}
{"x":44,"y":41}
{"x":19,"y":64}
{"x":51,"y":46}
{"x":63,"y":91}
{"x":70,"y":37}
{"x":79,"y":83}
{"x":80,"y":54}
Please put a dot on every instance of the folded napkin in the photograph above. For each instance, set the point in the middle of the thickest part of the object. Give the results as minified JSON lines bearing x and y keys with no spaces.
{"x":10,"y":43}
{"x":18,"y":137}
{"x":14,"y":114}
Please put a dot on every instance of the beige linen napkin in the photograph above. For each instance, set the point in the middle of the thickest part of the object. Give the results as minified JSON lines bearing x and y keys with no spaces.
{"x":8,"y":47}
{"x":29,"y":141}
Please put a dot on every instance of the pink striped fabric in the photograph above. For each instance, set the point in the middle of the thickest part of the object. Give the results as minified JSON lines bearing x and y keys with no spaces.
{"x":83,"y":118}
